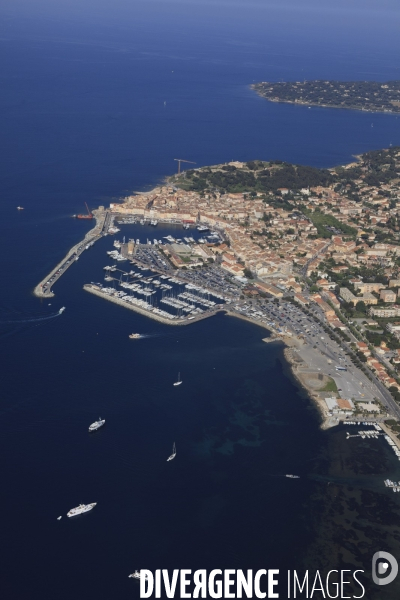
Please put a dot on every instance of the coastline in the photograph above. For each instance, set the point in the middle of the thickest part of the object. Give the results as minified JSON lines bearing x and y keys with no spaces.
{"x":294,"y":362}
{"x":326,"y":421}
{"x":302,"y":103}
{"x":390,"y":434}
{"x":290,"y":343}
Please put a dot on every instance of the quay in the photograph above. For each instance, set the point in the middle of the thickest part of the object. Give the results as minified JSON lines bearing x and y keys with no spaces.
{"x":98,"y":291}
{"x":102,"y":217}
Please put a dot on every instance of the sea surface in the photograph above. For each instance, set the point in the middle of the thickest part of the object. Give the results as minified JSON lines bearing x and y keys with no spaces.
{"x":95,"y":104}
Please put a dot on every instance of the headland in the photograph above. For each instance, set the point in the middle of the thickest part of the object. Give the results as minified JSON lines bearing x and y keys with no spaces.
{"x":369,"y":96}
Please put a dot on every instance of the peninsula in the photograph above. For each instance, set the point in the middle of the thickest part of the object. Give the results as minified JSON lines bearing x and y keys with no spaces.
{"x":371,"y":96}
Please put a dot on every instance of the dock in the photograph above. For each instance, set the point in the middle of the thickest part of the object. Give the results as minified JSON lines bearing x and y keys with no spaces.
{"x":151,"y":312}
{"x":102,"y":217}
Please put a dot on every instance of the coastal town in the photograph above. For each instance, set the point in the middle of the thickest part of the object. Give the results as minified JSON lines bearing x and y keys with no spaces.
{"x":332,"y":249}
{"x":317,"y":265}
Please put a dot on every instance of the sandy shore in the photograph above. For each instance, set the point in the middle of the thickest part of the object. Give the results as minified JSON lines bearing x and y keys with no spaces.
{"x":303,"y":378}
{"x":296,"y":363}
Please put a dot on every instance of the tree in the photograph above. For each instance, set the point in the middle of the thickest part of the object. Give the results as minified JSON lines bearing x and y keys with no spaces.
{"x":360,"y":307}
{"x":248,"y":274}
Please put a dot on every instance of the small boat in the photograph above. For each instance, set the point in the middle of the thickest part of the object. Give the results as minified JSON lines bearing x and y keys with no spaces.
{"x":137,"y":575}
{"x":60,"y":312}
{"x":173,"y":453}
{"x":179,"y":380}
{"x":97,"y":424}
{"x":59,"y":518}
{"x":20,"y":208}
{"x":135,"y":336}
{"x":293,"y":476}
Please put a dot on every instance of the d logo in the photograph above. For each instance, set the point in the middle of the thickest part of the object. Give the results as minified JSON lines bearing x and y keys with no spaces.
{"x":384,"y":564}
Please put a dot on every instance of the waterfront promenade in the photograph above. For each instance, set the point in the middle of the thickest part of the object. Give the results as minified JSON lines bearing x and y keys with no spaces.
{"x":102,"y":218}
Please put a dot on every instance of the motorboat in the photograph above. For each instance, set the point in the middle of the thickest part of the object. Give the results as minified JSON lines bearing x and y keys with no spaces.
{"x":97,"y":424}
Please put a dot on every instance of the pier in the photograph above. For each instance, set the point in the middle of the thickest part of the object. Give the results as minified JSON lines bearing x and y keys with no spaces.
{"x":43,"y":289}
{"x":146,"y":310}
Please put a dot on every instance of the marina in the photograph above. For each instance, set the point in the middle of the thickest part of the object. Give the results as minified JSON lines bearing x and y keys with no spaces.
{"x":149,"y":286}
{"x":144,"y":308}
{"x":105,"y":225}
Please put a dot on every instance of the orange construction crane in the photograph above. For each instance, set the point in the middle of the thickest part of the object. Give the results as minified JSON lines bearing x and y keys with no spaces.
{"x":181,"y":160}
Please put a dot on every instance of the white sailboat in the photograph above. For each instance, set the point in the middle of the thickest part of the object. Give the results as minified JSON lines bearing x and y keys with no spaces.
{"x":173,"y":453}
{"x":179,"y":380}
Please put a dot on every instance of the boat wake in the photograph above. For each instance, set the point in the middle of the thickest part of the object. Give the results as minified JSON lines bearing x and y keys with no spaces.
{"x":22,"y":321}
{"x":16,"y":323}
{"x":150,"y":335}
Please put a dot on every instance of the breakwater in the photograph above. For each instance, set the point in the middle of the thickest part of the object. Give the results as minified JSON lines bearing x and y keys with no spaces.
{"x":97,"y":291}
{"x":43,"y":289}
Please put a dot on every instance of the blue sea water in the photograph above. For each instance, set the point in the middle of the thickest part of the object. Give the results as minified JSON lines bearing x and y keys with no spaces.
{"x":83,"y":118}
